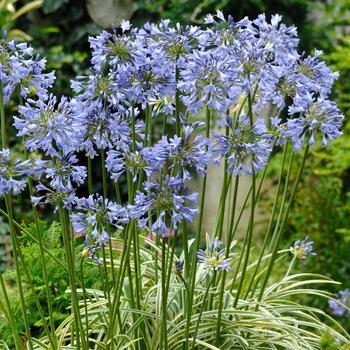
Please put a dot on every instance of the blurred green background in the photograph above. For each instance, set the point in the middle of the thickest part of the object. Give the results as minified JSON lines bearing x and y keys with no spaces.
{"x":59,"y":29}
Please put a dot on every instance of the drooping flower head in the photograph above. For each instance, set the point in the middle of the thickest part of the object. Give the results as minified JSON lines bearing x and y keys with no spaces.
{"x":213,"y":258}
{"x":246,"y":148}
{"x":302,"y":249}
{"x":91,"y":251}
{"x":118,"y":162}
{"x":179,"y":266}
{"x":57,"y":198}
{"x":12,"y":174}
{"x":168,"y":201}
{"x":95,"y":215}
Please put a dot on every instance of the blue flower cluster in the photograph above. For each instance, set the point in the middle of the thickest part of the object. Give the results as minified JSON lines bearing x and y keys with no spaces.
{"x":168,"y":200}
{"x":245,"y":74}
{"x":341,"y":306}
{"x":12,"y":173}
{"x":93,"y":217}
{"x":20,"y":68}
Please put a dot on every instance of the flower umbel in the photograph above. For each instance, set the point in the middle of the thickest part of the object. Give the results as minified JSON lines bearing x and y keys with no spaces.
{"x":12,"y":173}
{"x":95,"y":215}
{"x":213,"y":258}
{"x":301,"y":249}
{"x":168,"y":200}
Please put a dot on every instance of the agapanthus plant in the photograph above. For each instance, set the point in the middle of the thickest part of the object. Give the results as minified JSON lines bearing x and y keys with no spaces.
{"x":139,"y":111}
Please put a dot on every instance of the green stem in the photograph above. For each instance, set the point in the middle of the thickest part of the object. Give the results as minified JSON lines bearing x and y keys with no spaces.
{"x":291,"y":265}
{"x":227,"y":253}
{"x":148,"y":136}
{"x":196,"y":243}
{"x":269,"y":227}
{"x":17,"y":269}
{"x":105,"y":196}
{"x":42,"y":259}
{"x":164,"y":298}
{"x":282,"y":226}
{"x":222,"y":205}
{"x":239,"y":220}
{"x":6,"y":309}
{"x":71,"y":273}
{"x":170,"y":263}
{"x":200,"y":313}
{"x":185,"y":249}
{"x":120,"y":280}
{"x":85,"y":303}
{"x":252,"y":214}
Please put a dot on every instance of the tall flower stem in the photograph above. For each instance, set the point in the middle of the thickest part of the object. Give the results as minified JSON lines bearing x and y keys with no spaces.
{"x":164,"y":337}
{"x":197,"y":240}
{"x":252,"y":214}
{"x":229,"y":239}
{"x":42,"y":259}
{"x":222,"y":204}
{"x":272,"y":217}
{"x":71,"y":273}
{"x":17,"y":254}
{"x":85,"y":296}
{"x":239,"y":220}
{"x":6,"y":310}
{"x":280,"y":229}
{"x":105,"y":196}
{"x":120,"y":282}
{"x":201,"y":312}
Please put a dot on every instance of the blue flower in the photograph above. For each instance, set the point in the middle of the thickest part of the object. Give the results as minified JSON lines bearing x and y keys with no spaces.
{"x":94,"y":216}
{"x":12,"y":174}
{"x":168,"y":200}
{"x":63,"y":172}
{"x":13,"y":65}
{"x":103,"y":121}
{"x":184,"y":154}
{"x":318,"y":117}
{"x":209,"y":78}
{"x":47,"y":126}
{"x":341,"y":306}
{"x":111,"y":48}
{"x":64,"y":198}
{"x":245,"y":147}
{"x":19,"y":68}
{"x":118,"y":162}
{"x":301,"y":249}
{"x":179,"y":266}
{"x":91,"y":250}
{"x":213,"y":258}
